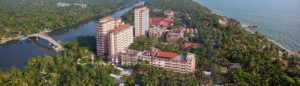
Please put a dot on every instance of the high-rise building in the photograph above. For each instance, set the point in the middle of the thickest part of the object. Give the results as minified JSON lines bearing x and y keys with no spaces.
{"x":141,"y":21}
{"x":104,"y":26}
{"x":120,"y":39}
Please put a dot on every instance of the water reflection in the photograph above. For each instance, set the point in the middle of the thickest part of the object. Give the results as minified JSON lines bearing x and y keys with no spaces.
{"x":15,"y":53}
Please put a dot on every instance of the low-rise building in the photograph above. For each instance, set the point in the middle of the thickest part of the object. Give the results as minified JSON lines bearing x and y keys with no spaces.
{"x":81,"y":5}
{"x":173,"y":37}
{"x":166,"y":60}
{"x":129,"y":57}
{"x":63,"y":4}
{"x":157,"y":31}
{"x":176,"y":34}
{"x":159,"y":25}
{"x":193,"y":45}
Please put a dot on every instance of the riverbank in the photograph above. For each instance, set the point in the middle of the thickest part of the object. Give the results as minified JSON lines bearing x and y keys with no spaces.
{"x":80,"y":22}
{"x":32,"y":48}
{"x":5,"y":40}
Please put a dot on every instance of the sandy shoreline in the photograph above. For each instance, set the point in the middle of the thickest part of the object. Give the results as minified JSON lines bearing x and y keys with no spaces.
{"x":247,"y":29}
{"x":271,"y":40}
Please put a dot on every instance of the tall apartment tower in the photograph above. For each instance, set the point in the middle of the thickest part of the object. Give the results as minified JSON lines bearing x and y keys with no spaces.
{"x":120,"y":39}
{"x":104,"y":26}
{"x":141,"y":21}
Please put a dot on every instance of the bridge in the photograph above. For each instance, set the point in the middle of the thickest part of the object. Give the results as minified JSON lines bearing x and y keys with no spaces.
{"x":44,"y":35}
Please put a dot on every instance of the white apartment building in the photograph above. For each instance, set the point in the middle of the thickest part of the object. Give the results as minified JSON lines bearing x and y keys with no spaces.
{"x":120,"y":39}
{"x":141,"y":21}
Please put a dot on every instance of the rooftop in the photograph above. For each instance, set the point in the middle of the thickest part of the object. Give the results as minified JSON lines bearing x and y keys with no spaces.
{"x":160,"y":22}
{"x":142,"y":9}
{"x":131,"y":52}
{"x":120,"y":28}
{"x":166,"y":54}
{"x":169,"y":55}
{"x":105,"y":19}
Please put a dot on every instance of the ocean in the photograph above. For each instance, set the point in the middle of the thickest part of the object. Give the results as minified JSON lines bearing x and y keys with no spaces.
{"x":279,"y":20}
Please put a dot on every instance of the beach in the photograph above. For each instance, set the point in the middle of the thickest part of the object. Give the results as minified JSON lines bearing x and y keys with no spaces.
{"x":279,"y":21}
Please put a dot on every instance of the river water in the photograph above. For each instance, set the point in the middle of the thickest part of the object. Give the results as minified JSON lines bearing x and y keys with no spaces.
{"x":16,"y":53}
{"x":279,"y":20}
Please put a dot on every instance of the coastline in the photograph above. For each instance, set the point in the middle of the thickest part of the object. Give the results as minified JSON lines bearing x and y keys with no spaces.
{"x":252,"y":28}
{"x":270,"y":40}
{"x":248,"y":29}
{"x":290,"y":52}
{"x":9,"y":39}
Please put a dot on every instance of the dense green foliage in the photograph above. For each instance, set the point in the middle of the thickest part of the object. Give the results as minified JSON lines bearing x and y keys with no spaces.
{"x":31,"y":16}
{"x":61,"y":69}
{"x":142,"y":43}
{"x":129,"y":17}
{"x":262,"y":62}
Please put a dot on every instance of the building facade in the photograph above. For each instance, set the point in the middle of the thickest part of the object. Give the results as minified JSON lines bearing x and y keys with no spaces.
{"x":141,"y":21}
{"x":104,"y":26}
{"x":120,"y":39}
{"x":166,"y":60}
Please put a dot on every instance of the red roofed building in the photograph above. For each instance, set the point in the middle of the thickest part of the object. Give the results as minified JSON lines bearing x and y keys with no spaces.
{"x":166,"y":54}
{"x":160,"y":25}
{"x":166,"y":60}
{"x":162,"y":22}
{"x":193,"y":45}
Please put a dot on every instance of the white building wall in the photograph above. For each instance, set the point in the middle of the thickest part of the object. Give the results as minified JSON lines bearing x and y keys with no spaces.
{"x":141,"y":21}
{"x":121,"y":41}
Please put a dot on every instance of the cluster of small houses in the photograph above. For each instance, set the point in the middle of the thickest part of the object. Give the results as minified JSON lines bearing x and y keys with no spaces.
{"x":60,"y":4}
{"x":161,"y":28}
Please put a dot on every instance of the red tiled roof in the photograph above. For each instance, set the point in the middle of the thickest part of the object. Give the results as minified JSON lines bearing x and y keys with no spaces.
{"x":120,"y":28}
{"x":194,"y":45}
{"x":160,"y":21}
{"x":166,"y":54}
